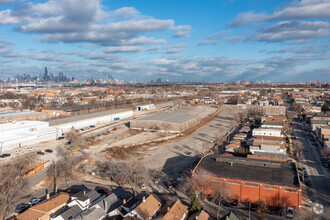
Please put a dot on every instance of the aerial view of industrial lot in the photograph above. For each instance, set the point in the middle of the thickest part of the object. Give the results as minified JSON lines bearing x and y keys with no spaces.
{"x":164,"y":109}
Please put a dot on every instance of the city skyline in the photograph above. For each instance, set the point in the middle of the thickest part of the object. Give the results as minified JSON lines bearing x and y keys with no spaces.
{"x":180,"y":41}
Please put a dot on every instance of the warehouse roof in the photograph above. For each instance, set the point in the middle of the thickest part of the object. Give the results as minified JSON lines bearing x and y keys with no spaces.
{"x":19,"y":124}
{"x":177,"y":117}
{"x":85,"y":116}
{"x":246,"y":169}
{"x":14,"y":114}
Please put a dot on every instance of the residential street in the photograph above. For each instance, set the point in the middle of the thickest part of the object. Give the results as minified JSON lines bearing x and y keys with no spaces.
{"x":319,"y":192}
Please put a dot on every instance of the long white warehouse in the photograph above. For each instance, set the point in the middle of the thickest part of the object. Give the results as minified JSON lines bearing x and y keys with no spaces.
{"x":19,"y":133}
{"x":22,"y":133}
{"x":80,"y":121}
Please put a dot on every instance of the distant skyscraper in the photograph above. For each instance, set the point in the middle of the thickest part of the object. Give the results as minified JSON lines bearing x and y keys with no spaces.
{"x":46,"y":74}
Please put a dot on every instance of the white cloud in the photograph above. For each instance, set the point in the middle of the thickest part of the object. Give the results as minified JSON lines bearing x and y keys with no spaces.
{"x":293,"y":31}
{"x":181,"y":31}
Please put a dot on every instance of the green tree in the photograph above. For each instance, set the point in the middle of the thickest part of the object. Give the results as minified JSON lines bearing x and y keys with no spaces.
{"x":195,"y":203}
{"x":325,"y":107}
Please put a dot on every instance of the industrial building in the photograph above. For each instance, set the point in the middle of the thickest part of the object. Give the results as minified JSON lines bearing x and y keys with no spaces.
{"x":252,"y":180}
{"x":22,"y":133}
{"x":267,"y":132}
{"x":175,"y":121}
{"x":145,"y":107}
{"x":8,"y":116}
{"x":80,"y":121}
{"x":19,"y":133}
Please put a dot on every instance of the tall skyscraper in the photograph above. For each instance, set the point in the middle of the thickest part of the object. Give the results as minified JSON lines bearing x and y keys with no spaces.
{"x":46,"y":74}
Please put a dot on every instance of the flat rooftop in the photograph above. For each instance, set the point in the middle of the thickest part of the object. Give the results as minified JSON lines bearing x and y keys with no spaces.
{"x":19,"y":124}
{"x":177,"y":117}
{"x":14,"y":114}
{"x":85,"y":117}
{"x":246,"y":169}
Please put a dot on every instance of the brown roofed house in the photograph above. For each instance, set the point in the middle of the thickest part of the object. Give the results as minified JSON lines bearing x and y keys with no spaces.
{"x":201,"y":215}
{"x":178,"y":211}
{"x":146,"y":209}
{"x":43,"y":210}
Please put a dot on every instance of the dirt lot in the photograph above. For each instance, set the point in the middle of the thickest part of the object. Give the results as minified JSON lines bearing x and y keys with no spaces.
{"x":174,"y":157}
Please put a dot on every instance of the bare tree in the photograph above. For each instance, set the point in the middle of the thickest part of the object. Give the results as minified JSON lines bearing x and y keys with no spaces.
{"x":298,"y":148}
{"x":255,"y":113}
{"x":73,"y":136}
{"x":12,"y":176}
{"x":62,"y":169}
{"x":220,"y":193}
{"x":261,"y":209}
{"x":131,"y":173}
{"x":202,"y":182}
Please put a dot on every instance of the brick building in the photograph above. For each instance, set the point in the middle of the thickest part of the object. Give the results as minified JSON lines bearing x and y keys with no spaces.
{"x":251,"y":180}
{"x":274,"y":110}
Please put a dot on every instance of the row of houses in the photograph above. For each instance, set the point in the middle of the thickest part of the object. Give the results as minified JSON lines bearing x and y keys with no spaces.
{"x":89,"y":204}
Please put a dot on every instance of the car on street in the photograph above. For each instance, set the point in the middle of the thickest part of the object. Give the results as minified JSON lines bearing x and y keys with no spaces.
{"x":40,"y":153}
{"x":92,"y":126}
{"x":21,"y":207}
{"x":75,"y":149}
{"x":86,"y":128}
{"x":308,"y":182}
{"x":325,"y":164}
{"x":34,"y":201}
{"x":30,"y":148}
{"x":5,"y":155}
{"x":143,"y":186}
{"x":304,"y":168}
{"x":19,"y":151}
{"x":103,"y":190}
{"x":49,"y":150}
{"x":81,"y":129}
{"x":324,"y":159}
{"x":289,"y":212}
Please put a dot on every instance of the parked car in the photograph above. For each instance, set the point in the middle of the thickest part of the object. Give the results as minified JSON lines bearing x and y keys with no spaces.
{"x":34,"y":201}
{"x":21,"y":207}
{"x":92,"y":126}
{"x":75,"y":149}
{"x":303,"y":168}
{"x":324,"y":159}
{"x":19,"y":151}
{"x":40,"y":153}
{"x":308,"y":182}
{"x":103,"y":190}
{"x":5,"y":155}
{"x":325,"y":164}
{"x":60,"y":138}
{"x":289,"y":212}
{"x":49,"y":150}
{"x":143,"y":187}
{"x":30,"y":148}
{"x":86,"y":128}
{"x":81,"y":129}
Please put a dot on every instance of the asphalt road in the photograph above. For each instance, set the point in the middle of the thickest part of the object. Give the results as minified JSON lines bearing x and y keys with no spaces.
{"x":319,"y":192}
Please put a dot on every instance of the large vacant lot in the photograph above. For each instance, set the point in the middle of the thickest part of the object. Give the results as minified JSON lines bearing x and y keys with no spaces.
{"x":174,"y":157}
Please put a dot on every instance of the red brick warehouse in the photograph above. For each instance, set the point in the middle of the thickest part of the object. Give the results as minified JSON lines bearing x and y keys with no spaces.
{"x":251,"y":180}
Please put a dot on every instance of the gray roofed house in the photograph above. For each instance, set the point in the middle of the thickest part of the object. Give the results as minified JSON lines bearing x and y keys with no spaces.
{"x":91,"y":213}
{"x":109,"y":203}
{"x":68,"y":213}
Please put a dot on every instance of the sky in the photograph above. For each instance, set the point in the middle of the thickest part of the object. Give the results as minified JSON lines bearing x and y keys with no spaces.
{"x":175,"y":40}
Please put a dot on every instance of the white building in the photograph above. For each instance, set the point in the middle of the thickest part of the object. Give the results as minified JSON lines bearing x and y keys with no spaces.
{"x":145,"y":107}
{"x":80,"y":121}
{"x":22,"y":133}
{"x":266,"y":132}
{"x":267,"y":149}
